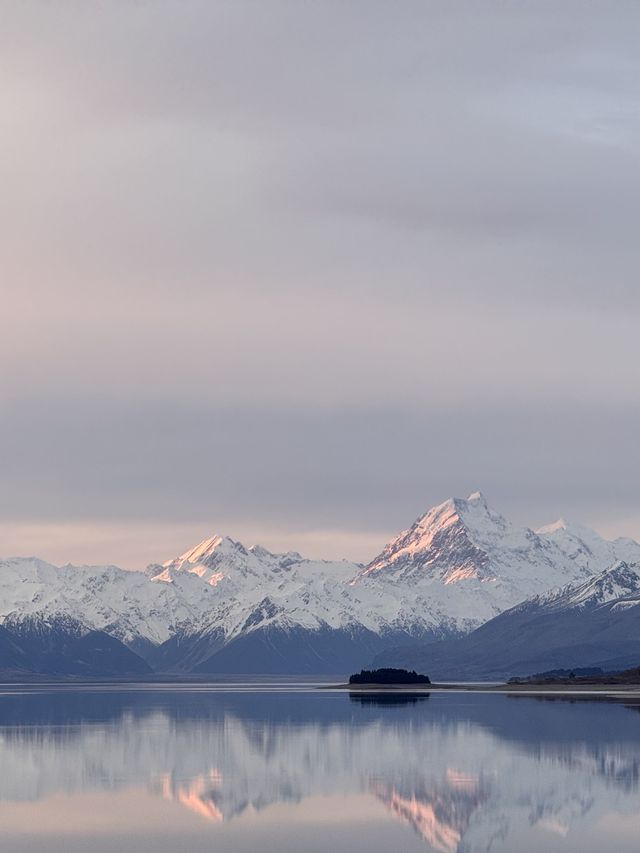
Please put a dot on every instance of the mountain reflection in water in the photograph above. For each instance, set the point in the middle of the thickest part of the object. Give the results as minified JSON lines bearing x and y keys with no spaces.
{"x":453,"y":773}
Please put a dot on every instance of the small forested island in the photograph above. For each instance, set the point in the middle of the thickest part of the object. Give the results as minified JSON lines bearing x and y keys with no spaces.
{"x":388,"y":675}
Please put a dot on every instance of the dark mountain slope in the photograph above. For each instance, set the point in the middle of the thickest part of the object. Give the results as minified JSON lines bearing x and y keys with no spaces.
{"x":64,"y":648}
{"x":596,"y":623}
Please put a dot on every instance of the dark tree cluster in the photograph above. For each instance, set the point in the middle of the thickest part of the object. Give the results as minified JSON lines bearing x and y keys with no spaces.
{"x":388,"y":676}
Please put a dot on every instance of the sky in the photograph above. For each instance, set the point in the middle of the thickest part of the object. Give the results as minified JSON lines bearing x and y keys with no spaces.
{"x":296,"y":271}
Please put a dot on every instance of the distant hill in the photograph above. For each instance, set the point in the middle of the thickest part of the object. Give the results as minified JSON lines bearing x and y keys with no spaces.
{"x":582,"y":676}
{"x":560,"y":674}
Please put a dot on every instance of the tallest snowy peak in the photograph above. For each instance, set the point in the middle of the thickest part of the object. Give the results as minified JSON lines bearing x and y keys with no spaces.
{"x":472,"y":513}
{"x":452,"y":541}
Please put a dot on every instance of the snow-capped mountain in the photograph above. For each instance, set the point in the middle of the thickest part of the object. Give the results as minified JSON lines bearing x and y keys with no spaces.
{"x":592,"y":623}
{"x":586,"y":548}
{"x":621,"y":581}
{"x":124,"y":604}
{"x":462,"y":563}
{"x":222,"y":607}
{"x":252,"y":584}
{"x":264,"y":612}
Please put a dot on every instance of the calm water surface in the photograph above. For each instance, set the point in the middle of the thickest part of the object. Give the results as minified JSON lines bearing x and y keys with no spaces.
{"x":248,"y":769}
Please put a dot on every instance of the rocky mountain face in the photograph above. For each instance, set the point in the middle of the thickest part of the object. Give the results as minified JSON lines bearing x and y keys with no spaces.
{"x":463,"y":563}
{"x":222,"y":607}
{"x":593,"y":623}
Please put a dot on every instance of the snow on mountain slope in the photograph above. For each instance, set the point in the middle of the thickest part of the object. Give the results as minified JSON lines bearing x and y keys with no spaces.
{"x":619,"y":583}
{"x":459,"y":565}
{"x":463,"y":540}
{"x":251,"y":587}
{"x":586,"y":548}
{"x":595,"y":622}
{"x":218,"y":586}
{"x":466,"y":563}
{"x":121,"y":603}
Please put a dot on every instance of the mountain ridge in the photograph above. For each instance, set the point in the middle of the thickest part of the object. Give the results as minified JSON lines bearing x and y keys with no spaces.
{"x":221,"y":607}
{"x":592,"y":623}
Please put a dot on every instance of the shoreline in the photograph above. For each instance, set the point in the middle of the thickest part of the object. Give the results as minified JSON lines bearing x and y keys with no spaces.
{"x":629,"y":690}
{"x":625,"y":690}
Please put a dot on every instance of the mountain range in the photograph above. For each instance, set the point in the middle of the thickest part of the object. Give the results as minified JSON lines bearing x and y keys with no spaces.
{"x":593,"y":623}
{"x":223,"y":608}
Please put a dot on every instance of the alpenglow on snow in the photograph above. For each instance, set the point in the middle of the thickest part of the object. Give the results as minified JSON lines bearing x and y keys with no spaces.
{"x":221,"y":607}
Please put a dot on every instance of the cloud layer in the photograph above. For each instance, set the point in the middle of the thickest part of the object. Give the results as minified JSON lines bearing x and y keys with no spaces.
{"x":305,"y":269}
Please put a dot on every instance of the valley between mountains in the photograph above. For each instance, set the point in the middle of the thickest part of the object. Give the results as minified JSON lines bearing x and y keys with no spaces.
{"x":432,"y":598}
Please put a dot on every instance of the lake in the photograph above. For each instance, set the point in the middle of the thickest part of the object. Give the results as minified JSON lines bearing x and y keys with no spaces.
{"x":291,"y":769}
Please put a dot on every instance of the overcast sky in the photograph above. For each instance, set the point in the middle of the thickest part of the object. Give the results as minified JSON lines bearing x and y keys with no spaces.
{"x":296,"y":271}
